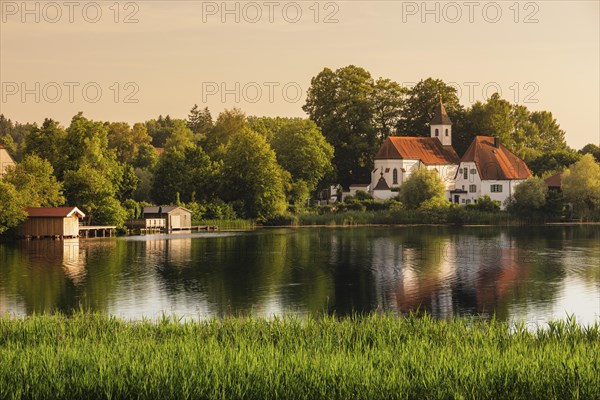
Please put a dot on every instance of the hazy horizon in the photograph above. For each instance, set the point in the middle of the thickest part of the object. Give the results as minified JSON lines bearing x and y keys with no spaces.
{"x":156,"y":57}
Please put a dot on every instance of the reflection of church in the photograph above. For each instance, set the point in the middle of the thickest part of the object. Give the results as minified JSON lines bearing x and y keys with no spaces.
{"x":446,"y":277}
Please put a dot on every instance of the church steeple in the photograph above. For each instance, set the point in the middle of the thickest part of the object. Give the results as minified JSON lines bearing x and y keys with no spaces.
{"x":441,"y":125}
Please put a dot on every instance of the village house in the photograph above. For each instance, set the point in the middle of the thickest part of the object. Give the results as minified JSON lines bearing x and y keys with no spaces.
{"x":62,"y":222}
{"x":6,"y":160}
{"x":486,"y":168}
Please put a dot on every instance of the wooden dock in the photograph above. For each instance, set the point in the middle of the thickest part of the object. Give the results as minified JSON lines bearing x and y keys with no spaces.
{"x":96,"y":231}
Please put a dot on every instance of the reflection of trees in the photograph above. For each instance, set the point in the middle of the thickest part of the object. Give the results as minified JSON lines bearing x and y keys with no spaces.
{"x":56,"y":275}
{"x":441,"y":270}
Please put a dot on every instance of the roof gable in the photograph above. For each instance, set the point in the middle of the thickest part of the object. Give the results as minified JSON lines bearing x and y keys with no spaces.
{"x":54,"y":212}
{"x":381,"y":184}
{"x":495,"y":162}
{"x":163,"y":209}
{"x":427,"y":149}
{"x":554,"y":181}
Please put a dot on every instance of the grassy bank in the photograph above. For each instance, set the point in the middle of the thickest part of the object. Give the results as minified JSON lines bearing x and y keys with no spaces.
{"x":370,"y":357}
{"x":457,"y":216}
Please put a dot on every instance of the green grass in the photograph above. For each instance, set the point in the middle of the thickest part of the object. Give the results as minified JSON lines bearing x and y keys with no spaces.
{"x":361,"y":357}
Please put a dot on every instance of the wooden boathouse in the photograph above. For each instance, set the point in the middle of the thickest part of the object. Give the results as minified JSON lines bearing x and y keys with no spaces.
{"x":60,"y":222}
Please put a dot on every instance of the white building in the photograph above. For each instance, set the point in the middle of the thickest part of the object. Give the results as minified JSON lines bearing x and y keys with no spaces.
{"x":488,"y":168}
{"x":6,"y":160}
{"x":399,"y":156}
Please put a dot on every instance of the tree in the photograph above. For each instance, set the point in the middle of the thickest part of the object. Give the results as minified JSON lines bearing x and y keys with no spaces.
{"x":341,"y":103}
{"x":388,"y":105}
{"x":229,"y":123}
{"x":301,"y":148}
{"x":421,"y":102}
{"x":12,"y":211}
{"x":126,"y":141}
{"x":34,"y":180}
{"x":421,"y":186}
{"x":252,"y":176}
{"x":93,"y":192}
{"x":529,"y":197}
{"x":181,"y":137}
{"x":549,"y":135}
{"x":581,"y":184}
{"x":199,"y":121}
{"x":190,"y":172}
{"x":47,"y":142}
{"x":591,"y":149}
{"x":554,"y":161}
{"x":159,"y":130}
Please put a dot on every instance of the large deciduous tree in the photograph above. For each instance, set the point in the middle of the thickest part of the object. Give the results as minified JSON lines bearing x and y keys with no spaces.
{"x":421,"y":102}
{"x":300,"y":147}
{"x":47,"y":142}
{"x":34,"y":180}
{"x":252,"y":177}
{"x":341,"y":104}
{"x":126,"y":141}
{"x":581,"y":184}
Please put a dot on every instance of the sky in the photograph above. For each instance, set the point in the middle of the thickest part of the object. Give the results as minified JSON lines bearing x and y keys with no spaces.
{"x":134,"y":60}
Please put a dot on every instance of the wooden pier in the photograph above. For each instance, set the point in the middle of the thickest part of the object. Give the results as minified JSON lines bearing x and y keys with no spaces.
{"x":96,"y":231}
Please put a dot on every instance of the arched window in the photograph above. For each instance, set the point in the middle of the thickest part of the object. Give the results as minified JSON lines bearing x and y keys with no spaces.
{"x":437,"y":132}
{"x":446,"y":131}
{"x":395,"y":176}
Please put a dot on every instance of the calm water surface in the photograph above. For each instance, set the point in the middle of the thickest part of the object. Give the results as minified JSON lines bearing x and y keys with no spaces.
{"x":531,"y":274}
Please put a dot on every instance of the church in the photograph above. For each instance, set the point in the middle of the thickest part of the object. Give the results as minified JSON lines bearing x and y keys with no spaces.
{"x":486,"y":168}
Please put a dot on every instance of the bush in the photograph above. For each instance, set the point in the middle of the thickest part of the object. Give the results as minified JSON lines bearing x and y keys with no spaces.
{"x":485,"y":204}
{"x":362,"y":195}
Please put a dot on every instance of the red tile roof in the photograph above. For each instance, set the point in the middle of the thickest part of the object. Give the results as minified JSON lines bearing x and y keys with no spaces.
{"x":495,"y":163}
{"x":58,"y":212}
{"x":427,"y":149}
{"x":554,"y":181}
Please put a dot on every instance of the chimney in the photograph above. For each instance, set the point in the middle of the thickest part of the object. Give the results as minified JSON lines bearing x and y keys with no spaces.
{"x":496,"y":142}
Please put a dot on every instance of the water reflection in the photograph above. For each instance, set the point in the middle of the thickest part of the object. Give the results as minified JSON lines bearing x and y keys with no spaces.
{"x":515,"y":273}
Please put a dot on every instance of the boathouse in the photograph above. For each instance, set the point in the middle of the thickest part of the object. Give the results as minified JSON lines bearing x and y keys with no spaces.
{"x":51,"y":222}
{"x":167,"y":217}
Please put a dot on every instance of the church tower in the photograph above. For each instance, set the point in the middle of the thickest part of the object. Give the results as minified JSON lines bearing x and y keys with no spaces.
{"x":441,"y":126}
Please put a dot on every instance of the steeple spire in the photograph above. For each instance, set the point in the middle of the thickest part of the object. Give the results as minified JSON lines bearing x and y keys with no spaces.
{"x":441,"y":125}
{"x":441,"y":116}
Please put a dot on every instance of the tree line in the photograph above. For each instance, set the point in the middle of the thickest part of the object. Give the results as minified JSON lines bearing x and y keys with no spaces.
{"x":234,"y":167}
{"x":238,"y":166}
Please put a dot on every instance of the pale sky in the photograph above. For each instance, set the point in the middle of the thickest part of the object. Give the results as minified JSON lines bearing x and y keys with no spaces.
{"x":172,"y":54}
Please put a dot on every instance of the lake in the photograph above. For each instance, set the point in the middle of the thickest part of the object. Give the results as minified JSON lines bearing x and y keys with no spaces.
{"x":516,"y":273}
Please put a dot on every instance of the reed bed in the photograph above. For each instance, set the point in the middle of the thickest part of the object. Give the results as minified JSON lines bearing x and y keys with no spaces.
{"x":230,"y":224}
{"x":89,"y":356}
